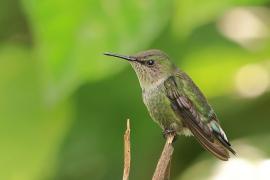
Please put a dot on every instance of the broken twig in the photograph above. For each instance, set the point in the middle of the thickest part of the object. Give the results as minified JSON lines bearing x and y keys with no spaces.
{"x":127,"y":157}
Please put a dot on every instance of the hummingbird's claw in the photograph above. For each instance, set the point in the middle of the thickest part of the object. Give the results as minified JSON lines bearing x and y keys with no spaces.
{"x":167,"y":132}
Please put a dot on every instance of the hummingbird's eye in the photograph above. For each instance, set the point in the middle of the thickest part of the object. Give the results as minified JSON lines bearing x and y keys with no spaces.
{"x":150,"y":62}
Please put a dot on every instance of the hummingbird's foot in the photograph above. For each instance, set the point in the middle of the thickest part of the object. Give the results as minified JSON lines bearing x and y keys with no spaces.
{"x":167,"y":132}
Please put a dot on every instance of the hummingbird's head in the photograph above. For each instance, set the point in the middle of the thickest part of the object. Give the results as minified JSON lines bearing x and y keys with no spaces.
{"x":151,"y":66}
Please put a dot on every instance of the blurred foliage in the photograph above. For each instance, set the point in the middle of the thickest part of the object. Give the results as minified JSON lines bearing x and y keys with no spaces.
{"x":63,"y":105}
{"x":62,"y":32}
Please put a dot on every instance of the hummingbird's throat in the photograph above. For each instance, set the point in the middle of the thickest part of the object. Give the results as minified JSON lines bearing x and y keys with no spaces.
{"x":148,"y":78}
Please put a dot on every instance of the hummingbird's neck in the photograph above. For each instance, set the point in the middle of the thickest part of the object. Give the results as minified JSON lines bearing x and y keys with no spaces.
{"x":151,"y":78}
{"x":151,"y":84}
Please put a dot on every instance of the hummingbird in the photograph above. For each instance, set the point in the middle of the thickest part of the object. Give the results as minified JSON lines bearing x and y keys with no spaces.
{"x":176,"y":103}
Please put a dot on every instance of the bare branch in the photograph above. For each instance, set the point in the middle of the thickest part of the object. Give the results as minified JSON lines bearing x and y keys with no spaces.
{"x":162,"y":171}
{"x":127,"y":158}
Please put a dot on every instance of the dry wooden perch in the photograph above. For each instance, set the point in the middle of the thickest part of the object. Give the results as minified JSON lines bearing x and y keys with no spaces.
{"x":162,"y":171}
{"x":127,"y":157}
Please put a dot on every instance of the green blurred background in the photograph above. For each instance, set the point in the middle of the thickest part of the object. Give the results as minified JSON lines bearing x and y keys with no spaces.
{"x":63,"y":105}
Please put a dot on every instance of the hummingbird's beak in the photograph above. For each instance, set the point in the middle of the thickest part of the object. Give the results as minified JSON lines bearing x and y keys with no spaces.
{"x":129,"y":58}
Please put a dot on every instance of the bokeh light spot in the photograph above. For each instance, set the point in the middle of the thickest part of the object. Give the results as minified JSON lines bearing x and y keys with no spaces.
{"x":252,"y":80}
{"x":245,"y":26}
{"x":243,"y":169}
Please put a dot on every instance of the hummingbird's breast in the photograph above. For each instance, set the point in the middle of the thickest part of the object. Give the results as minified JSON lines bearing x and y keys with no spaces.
{"x":160,"y":109}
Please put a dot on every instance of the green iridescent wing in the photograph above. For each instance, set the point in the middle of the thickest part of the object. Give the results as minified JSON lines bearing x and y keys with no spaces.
{"x":190,"y":104}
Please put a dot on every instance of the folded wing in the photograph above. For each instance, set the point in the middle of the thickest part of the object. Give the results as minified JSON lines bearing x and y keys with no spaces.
{"x":186,"y":101}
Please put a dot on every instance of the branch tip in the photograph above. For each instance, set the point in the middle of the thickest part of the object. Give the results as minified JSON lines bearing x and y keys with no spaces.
{"x":127,"y":156}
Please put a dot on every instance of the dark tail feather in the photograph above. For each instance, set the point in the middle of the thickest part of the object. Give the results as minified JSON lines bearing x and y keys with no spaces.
{"x":225,"y":144}
{"x":215,"y":147}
